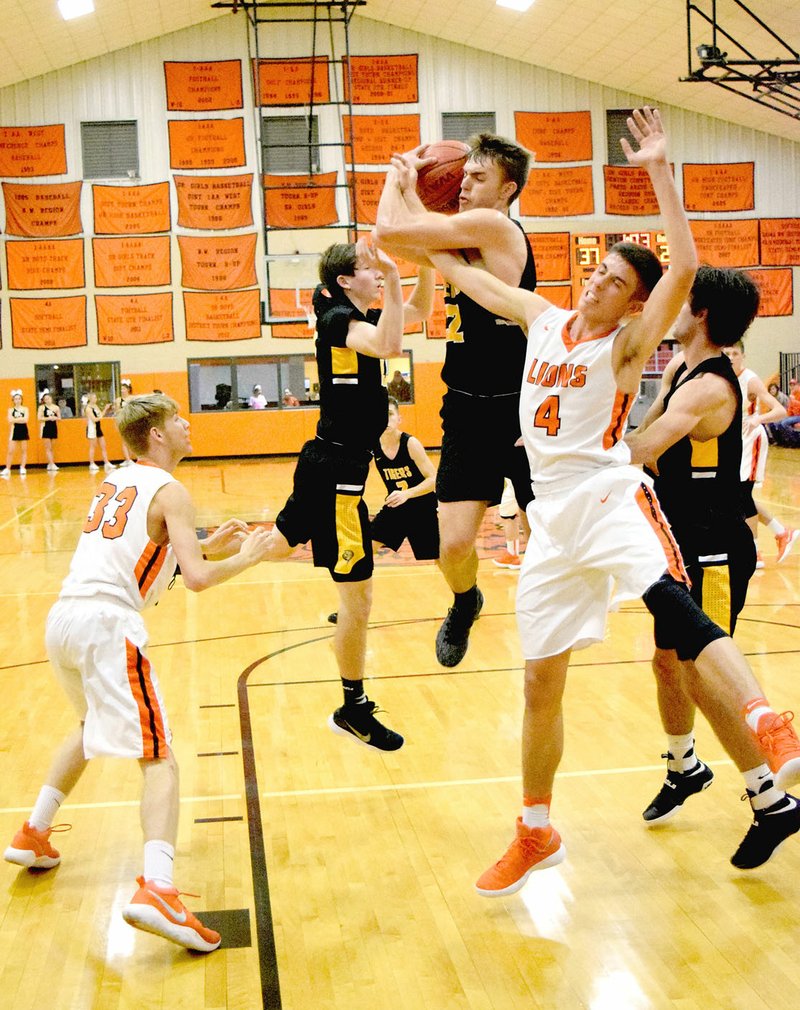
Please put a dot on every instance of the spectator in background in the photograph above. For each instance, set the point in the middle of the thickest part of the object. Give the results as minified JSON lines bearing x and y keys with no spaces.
{"x":65,"y":409}
{"x":399,"y":387}
{"x":775,"y":390}
{"x":787,"y":431}
{"x":289,"y":399}
{"x":257,"y":401}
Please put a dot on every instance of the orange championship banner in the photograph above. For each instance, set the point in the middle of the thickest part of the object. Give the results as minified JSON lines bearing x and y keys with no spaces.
{"x":558,"y":192}
{"x":206,"y":143}
{"x":381,"y":80}
{"x":45,"y":323}
{"x":224,"y":315}
{"x":43,"y":210}
{"x":137,"y":261}
{"x":368,"y":188}
{"x":302,"y":81}
{"x":216,"y":263}
{"x":32,"y":150}
{"x":555,"y":136}
{"x":214,"y":201}
{"x":777,"y":292}
{"x":551,"y":253}
{"x":48,"y":265}
{"x":629,"y":191}
{"x":718,"y":188}
{"x":134,"y":319}
{"x":283,"y":303}
{"x":131,"y":210}
{"x":203,"y":87}
{"x":780,"y":241}
{"x":300,"y":201}
{"x":726,"y":243}
{"x":376,"y":138}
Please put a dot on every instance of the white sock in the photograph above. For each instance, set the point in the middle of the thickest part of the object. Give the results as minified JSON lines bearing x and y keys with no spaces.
{"x":512,"y":546}
{"x":158,"y":859}
{"x":776,"y":527}
{"x":761,"y":789}
{"x":536,"y":815}
{"x":752,"y":717}
{"x":681,"y":749}
{"x":46,"y":807}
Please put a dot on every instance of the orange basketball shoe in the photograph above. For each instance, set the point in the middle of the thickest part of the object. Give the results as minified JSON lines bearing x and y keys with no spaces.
{"x":532,"y":849}
{"x":31,"y":847}
{"x":785,"y":542}
{"x":159,"y":910}
{"x":508,"y":560}
{"x":779,"y":742}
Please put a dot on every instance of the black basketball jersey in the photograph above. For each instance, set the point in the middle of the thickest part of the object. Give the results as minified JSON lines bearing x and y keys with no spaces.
{"x":698,"y":482}
{"x":353,"y":403}
{"x":400,"y":473}
{"x":485,"y":354}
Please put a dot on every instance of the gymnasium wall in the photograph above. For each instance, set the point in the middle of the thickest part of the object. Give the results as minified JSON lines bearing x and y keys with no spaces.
{"x":130,"y":84}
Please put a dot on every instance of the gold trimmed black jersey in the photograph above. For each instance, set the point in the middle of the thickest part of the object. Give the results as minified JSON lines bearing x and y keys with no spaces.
{"x":698,"y":482}
{"x":485,"y":354}
{"x":400,"y":473}
{"x":353,"y":402}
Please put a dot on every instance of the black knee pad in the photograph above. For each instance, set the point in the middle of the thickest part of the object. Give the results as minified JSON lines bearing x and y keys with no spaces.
{"x":688,"y":626}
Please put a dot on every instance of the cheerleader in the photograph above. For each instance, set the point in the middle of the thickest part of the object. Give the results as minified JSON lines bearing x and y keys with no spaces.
{"x":49,"y":415}
{"x":94,"y":432}
{"x":17,"y":432}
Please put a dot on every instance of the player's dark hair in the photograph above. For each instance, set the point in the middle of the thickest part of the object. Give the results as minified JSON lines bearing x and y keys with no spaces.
{"x":513,"y":160}
{"x":730,"y":298}
{"x":141,"y":413}
{"x":644,"y":262}
{"x":338,"y":259}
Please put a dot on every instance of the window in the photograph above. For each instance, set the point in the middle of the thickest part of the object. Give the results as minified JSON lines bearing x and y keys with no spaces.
{"x":290,"y":144}
{"x":110,"y":150}
{"x":71,"y":382}
{"x":463,"y":125}
{"x":616,"y":127}
{"x":276,"y":382}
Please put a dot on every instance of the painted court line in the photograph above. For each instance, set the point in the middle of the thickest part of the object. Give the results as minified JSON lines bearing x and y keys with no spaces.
{"x":494,"y":780}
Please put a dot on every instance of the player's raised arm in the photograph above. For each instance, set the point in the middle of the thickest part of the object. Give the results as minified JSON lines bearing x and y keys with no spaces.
{"x":384,"y":339}
{"x":641,"y":337}
{"x":512,"y":303}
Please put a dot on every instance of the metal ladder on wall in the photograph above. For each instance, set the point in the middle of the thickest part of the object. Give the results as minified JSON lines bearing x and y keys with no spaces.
{"x":293,"y":267}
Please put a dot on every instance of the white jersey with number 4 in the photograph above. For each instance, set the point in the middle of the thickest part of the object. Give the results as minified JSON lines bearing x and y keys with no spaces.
{"x":572,"y":415}
{"x":115,"y":556}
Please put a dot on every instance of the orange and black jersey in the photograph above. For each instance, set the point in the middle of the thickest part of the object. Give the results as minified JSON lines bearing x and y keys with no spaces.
{"x":353,"y":401}
{"x":698,"y":482}
{"x":485,"y":354}
{"x":401,"y":472}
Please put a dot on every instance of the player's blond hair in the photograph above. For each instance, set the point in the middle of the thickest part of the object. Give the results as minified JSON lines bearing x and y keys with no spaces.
{"x":139,"y":414}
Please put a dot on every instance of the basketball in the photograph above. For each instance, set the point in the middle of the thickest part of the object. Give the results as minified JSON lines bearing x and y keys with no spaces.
{"x":438,"y":185}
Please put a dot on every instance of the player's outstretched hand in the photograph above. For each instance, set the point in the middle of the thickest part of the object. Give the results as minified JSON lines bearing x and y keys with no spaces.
{"x":256,"y":546}
{"x":226,"y":540}
{"x":648,"y":132}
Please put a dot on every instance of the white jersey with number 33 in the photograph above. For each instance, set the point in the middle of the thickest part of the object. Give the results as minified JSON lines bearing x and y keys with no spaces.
{"x":115,"y":556}
{"x":572,"y":415}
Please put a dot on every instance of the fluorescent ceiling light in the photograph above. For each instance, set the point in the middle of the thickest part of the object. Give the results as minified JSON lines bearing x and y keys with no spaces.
{"x":71,"y":9}
{"x":515,"y":5}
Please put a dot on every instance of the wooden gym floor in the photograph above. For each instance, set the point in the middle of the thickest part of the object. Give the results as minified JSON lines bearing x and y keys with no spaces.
{"x":342,"y":878}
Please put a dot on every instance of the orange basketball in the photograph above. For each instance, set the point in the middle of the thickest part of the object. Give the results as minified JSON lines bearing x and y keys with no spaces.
{"x":438,"y":185}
